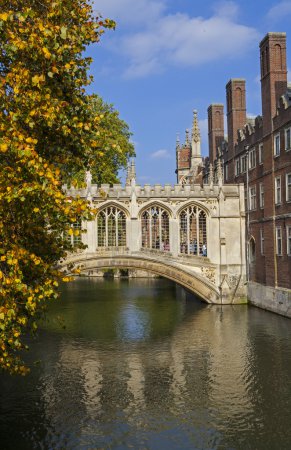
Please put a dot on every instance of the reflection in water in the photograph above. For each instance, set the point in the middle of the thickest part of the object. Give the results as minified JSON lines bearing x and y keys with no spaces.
{"x":141,"y":366}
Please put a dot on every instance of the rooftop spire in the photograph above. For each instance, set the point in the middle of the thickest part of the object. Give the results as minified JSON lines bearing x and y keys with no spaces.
{"x":128,"y":170}
{"x":187,"y":142}
{"x":178,"y":140}
{"x":133,"y":171}
{"x":196,"y":138}
{"x":195,"y":128}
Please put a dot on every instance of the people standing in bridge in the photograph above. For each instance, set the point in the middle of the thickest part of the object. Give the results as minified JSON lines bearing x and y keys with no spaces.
{"x":204,"y":250}
{"x":167,"y":246}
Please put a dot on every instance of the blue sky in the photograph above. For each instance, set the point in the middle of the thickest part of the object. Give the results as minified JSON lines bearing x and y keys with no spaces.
{"x":168,"y":57}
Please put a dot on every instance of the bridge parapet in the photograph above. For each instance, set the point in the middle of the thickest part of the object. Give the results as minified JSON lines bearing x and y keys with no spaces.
{"x":107,"y":191}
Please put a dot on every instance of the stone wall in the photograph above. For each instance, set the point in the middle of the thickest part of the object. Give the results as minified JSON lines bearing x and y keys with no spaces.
{"x":277,"y":300}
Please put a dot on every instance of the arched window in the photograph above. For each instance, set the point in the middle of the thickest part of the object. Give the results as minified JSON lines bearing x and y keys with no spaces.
{"x":111,"y":227}
{"x":155,"y":229}
{"x":74,"y":237}
{"x":193,"y":231}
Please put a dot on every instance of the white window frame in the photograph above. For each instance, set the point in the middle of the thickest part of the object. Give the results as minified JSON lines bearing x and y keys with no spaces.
{"x":243,"y":163}
{"x":262,"y":195}
{"x":288,"y":184}
{"x":252,"y":198}
{"x":237,"y":167}
{"x":288,"y":238}
{"x":278,"y":191}
{"x":287,"y":141}
{"x":252,"y":158}
{"x":278,"y":241}
{"x":261,"y":147}
{"x":277,"y":144}
{"x":262,"y":240}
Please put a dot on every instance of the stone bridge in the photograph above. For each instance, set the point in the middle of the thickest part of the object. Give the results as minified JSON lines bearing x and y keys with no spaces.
{"x":191,"y":234}
{"x":198,"y":275}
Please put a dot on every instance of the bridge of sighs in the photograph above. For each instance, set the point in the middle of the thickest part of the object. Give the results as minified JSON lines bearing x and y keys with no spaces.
{"x":191,"y":234}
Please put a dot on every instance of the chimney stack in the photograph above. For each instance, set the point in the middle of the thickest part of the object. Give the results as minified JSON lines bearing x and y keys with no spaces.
{"x":273,"y":75}
{"x":215,"y":129}
{"x":236,"y":110}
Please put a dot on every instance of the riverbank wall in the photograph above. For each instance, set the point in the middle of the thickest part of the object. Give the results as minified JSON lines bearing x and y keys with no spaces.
{"x":277,"y":300}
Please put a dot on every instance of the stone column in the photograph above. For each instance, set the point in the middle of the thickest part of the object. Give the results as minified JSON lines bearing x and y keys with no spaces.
{"x":134,"y":234}
{"x":91,"y":236}
{"x":174,"y":236}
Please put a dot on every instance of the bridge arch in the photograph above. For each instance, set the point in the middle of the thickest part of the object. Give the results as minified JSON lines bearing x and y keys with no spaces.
{"x":186,"y":278}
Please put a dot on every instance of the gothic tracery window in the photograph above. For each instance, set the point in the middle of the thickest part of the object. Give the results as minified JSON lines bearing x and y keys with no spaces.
{"x":74,"y":237}
{"x":111,"y":227}
{"x":155,"y":229}
{"x":193,"y":231}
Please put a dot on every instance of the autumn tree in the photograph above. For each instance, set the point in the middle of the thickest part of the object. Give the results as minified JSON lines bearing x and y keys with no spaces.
{"x":46,"y":132}
{"x":111,"y":142}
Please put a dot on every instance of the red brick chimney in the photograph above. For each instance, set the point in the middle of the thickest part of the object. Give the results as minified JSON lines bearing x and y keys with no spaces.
{"x":215,"y":129}
{"x":236,"y":110}
{"x":273,"y":75}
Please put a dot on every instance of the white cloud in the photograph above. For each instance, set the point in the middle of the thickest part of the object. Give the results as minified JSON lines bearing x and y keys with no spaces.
{"x":161,"y":154}
{"x":279,"y":11}
{"x":226,"y":9}
{"x":132,"y":12}
{"x":181,"y":40}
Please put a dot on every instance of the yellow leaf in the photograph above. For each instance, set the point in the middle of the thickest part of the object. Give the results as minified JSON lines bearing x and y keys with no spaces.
{"x":3,"y":147}
{"x":66,"y":279}
{"x":4,"y":17}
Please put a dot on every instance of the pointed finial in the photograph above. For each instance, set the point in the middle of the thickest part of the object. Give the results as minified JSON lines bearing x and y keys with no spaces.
{"x":211,"y":177}
{"x":187,"y":137}
{"x":195,"y":128}
{"x":178,"y":140}
{"x":133,"y":172}
{"x":219,"y":173}
{"x":88,"y":180}
{"x":128,"y":170}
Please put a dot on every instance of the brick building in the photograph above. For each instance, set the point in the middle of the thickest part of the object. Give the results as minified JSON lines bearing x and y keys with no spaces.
{"x":188,"y":156}
{"x":258,"y":154}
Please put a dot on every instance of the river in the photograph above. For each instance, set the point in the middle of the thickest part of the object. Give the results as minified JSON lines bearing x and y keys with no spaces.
{"x":141,"y":364}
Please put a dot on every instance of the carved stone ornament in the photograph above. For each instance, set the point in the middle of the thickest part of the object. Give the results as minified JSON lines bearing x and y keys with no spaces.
{"x":209,"y":273}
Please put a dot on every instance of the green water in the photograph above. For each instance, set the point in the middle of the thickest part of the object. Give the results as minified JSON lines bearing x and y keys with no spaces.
{"x":140,"y":364}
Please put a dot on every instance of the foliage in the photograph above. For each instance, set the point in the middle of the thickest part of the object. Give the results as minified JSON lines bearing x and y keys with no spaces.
{"x":46,"y":132}
{"x":111,"y":141}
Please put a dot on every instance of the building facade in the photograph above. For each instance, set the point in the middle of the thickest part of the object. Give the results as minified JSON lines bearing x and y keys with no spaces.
{"x":257,"y":153}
